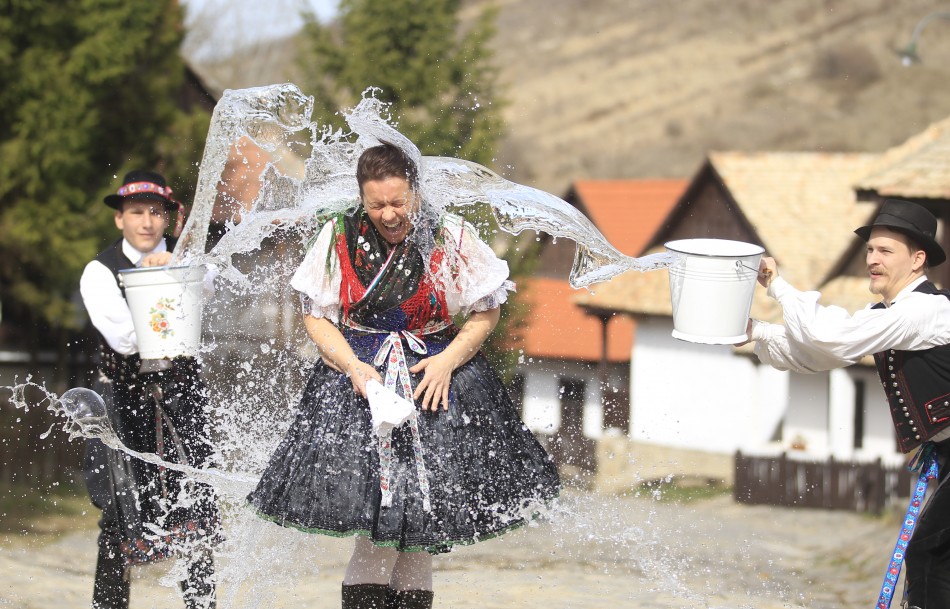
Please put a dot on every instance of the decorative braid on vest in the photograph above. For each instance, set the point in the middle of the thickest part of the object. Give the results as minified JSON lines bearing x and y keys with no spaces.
{"x":917,"y":386}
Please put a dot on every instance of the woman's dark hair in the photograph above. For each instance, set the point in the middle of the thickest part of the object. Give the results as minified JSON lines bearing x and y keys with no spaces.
{"x":386,"y":161}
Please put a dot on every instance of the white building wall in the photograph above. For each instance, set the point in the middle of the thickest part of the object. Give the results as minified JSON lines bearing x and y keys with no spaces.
{"x":841,"y":397}
{"x":821,"y":416}
{"x":708,"y":397}
{"x":692,"y":396}
{"x":541,"y":406}
{"x":770,"y":402}
{"x":806,"y":420}
{"x":879,"y":435}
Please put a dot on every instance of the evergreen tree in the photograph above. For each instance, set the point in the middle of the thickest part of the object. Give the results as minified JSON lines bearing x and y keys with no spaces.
{"x":90,"y":90}
{"x":438,"y":78}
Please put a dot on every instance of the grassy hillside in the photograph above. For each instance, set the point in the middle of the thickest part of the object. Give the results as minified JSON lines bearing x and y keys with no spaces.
{"x":644,"y":88}
{"x":637,"y":88}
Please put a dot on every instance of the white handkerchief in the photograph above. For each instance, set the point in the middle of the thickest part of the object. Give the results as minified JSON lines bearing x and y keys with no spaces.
{"x":387,"y":407}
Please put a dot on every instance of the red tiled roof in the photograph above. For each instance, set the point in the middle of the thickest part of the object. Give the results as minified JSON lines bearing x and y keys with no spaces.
{"x":628,"y":212}
{"x":556,"y":328}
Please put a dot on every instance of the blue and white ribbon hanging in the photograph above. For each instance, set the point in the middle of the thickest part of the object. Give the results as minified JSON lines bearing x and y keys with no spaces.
{"x":392,"y":353}
{"x":926,"y":461}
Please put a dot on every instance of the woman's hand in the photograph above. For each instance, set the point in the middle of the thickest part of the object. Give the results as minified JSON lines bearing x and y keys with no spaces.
{"x":360,"y":373}
{"x":435,"y":383}
{"x":338,"y":354}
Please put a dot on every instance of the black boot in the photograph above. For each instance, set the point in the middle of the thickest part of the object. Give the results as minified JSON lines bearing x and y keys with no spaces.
{"x":409,"y":599}
{"x":364,"y":596}
{"x":198,"y":590}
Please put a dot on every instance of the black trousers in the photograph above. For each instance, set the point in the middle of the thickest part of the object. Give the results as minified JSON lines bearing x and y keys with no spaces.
{"x":111,"y":477}
{"x":111,"y":588}
{"x":928,"y":552}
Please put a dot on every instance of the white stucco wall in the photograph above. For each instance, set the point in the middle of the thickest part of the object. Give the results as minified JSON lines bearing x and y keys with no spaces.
{"x":841,"y":394}
{"x":708,"y":397}
{"x":689,"y":395}
{"x":878,"y":437}
{"x":770,"y":401}
{"x":806,"y":420}
{"x":541,"y":403}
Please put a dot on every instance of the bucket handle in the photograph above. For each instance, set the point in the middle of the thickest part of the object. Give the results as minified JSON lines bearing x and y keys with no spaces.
{"x":740,"y":264}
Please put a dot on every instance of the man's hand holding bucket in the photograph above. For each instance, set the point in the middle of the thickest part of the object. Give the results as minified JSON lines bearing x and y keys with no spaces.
{"x":768,"y":271}
{"x":157,"y":259}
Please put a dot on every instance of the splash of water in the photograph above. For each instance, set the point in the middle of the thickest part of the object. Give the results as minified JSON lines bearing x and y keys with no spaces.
{"x":271,"y":117}
{"x":277,"y":175}
{"x":93,"y":423}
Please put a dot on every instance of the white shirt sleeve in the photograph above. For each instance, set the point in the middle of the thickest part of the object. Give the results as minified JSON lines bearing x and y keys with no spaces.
{"x":772,"y":347}
{"x":318,"y":278}
{"x":108,"y":311}
{"x":816,"y":337}
{"x":479,"y":279}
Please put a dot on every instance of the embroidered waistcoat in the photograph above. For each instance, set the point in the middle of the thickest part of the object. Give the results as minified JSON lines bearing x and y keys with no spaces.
{"x":917,"y":386}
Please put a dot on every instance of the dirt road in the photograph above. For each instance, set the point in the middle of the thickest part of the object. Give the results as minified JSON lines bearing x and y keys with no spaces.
{"x":594,"y":552}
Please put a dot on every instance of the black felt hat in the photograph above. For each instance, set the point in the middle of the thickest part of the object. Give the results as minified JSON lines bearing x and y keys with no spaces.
{"x":913,"y":220}
{"x":142,"y":185}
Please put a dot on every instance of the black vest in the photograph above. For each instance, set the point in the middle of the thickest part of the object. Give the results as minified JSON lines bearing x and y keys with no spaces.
{"x":114,"y":365}
{"x":917,"y":385}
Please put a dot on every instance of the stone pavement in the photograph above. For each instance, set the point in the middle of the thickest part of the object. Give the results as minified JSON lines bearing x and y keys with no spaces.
{"x":592,"y":552}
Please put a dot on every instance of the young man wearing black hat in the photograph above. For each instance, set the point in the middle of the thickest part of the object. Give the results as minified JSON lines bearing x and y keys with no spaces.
{"x":908,"y":333}
{"x":158,"y":411}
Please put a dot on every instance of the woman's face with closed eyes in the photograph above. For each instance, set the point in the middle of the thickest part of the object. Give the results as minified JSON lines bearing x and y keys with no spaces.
{"x":389,"y":203}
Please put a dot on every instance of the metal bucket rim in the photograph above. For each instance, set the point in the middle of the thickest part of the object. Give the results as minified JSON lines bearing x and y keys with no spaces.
{"x":682,"y":246}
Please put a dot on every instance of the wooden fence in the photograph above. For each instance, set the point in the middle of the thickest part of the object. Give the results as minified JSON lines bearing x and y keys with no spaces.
{"x":28,"y":459}
{"x":831,"y":484}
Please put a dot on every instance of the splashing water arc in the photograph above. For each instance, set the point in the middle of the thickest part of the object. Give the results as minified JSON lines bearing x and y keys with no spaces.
{"x":268,"y":176}
{"x":270,"y":116}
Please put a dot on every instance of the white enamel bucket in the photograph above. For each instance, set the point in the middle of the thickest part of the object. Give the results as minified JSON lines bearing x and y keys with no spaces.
{"x":166,"y":309}
{"x":711,"y":285}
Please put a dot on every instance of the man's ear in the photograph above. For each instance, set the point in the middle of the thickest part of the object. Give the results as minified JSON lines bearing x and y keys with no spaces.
{"x":118,"y":219}
{"x":920,"y":257}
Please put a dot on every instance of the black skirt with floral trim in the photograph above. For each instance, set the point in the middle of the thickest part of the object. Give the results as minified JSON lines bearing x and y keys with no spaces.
{"x":487,"y":473}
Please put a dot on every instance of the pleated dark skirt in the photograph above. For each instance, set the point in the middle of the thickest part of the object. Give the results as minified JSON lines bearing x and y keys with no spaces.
{"x":487,"y":473}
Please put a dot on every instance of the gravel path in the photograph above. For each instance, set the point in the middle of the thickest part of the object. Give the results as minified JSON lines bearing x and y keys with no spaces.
{"x":593,"y":551}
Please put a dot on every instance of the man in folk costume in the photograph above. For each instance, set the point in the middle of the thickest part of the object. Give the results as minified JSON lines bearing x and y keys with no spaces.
{"x":155,"y":408}
{"x":908,"y":332}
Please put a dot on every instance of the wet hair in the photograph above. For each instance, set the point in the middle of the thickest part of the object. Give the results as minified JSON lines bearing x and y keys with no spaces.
{"x":386,"y":161}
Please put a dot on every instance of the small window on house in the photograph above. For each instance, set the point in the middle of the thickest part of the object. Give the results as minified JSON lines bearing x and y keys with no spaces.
{"x":572,"y":403}
{"x":616,"y":401}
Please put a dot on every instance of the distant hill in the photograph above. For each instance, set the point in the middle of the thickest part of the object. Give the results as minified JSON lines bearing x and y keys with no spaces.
{"x":644,"y":88}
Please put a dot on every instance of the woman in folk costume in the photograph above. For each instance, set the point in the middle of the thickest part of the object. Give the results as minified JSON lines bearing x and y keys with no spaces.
{"x":464,"y":467}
